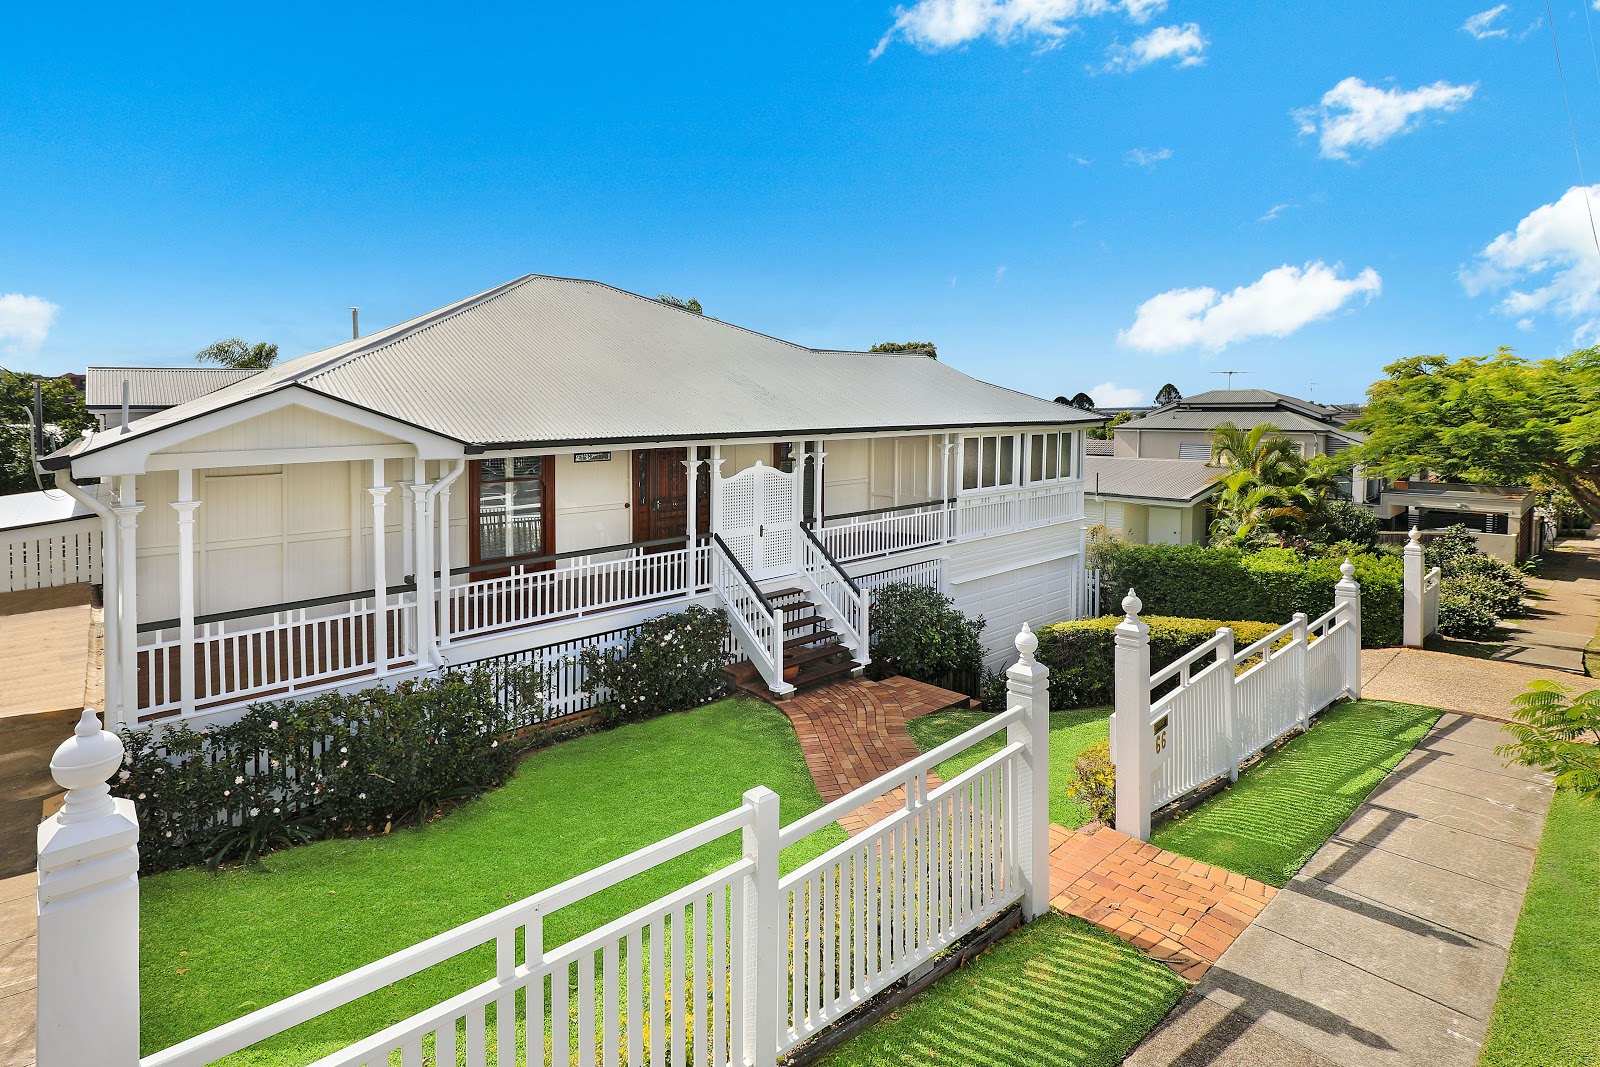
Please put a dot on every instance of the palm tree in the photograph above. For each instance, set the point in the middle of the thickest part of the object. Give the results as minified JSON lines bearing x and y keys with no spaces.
{"x":1248,"y":514}
{"x":1262,"y":451}
{"x":232,"y":352}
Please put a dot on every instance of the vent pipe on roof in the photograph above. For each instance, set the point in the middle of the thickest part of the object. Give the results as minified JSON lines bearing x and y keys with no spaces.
{"x":125,"y":395}
{"x":355,"y":323}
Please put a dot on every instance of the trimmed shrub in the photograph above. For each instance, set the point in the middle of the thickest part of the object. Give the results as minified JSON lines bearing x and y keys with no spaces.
{"x":1081,"y":655}
{"x":1194,"y":581}
{"x":673,"y":662}
{"x":1344,"y":522}
{"x":917,"y":631}
{"x":288,"y":771}
{"x":1094,"y":782}
{"x":1463,"y":610}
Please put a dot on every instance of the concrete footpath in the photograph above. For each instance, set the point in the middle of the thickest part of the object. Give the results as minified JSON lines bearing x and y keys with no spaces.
{"x":1388,"y":948}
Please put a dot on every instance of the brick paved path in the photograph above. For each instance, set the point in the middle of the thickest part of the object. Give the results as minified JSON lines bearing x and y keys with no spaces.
{"x":854,"y":731}
{"x":1175,"y":910}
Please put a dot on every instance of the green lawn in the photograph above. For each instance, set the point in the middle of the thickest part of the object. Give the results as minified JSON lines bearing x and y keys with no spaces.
{"x":1550,"y":996}
{"x":216,"y":946}
{"x":1268,"y":824}
{"x":1070,"y":733}
{"x":1057,"y":993}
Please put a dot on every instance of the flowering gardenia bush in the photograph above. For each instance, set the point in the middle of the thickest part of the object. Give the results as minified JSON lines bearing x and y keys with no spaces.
{"x":289,"y":772}
{"x":673,"y":662}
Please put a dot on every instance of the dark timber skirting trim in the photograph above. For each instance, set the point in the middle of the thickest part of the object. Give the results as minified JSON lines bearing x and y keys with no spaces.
{"x":959,"y":954}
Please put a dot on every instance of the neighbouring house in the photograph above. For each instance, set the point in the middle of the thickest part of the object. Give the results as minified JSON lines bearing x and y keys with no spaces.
{"x":1183,"y":428}
{"x":115,"y":395}
{"x":1150,"y":501}
{"x":547,"y":463}
{"x":1500,"y":518}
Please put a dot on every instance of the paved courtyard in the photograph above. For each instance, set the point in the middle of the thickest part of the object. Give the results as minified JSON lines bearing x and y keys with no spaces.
{"x":1388,"y":948}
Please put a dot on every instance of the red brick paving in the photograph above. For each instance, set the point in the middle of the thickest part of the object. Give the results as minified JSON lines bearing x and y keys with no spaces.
{"x":854,"y":731}
{"x":1175,"y":910}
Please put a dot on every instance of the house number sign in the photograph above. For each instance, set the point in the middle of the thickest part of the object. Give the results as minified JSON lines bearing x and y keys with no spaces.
{"x":591,"y":457}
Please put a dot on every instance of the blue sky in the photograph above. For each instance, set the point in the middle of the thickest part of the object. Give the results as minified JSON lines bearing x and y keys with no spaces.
{"x":1063,"y":194}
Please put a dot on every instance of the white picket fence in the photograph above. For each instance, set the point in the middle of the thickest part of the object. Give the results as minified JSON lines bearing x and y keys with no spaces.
{"x":1421,"y":593}
{"x":1225,"y":703}
{"x":737,"y":967}
{"x":60,"y":553}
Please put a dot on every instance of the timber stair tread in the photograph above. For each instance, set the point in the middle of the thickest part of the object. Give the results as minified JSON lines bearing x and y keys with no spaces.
{"x":822,"y":675}
{"x":809,"y":620}
{"x":784,"y":594}
{"x":806,"y":639}
{"x":810,"y":655}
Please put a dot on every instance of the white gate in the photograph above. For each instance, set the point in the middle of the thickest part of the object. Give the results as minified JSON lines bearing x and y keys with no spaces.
{"x":757,"y":516}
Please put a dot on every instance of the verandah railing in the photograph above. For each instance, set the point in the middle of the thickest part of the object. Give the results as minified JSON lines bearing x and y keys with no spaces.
{"x":1224,"y":704}
{"x":736,"y":967}
{"x":57,"y":553}
{"x":842,"y":598}
{"x":279,"y":648}
{"x":863,"y":534}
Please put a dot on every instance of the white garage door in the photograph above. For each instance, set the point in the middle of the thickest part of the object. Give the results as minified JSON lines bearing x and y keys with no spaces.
{"x":1042,"y":593}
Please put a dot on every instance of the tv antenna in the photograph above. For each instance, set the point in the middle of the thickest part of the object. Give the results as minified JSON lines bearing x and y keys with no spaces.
{"x":1230,"y":374}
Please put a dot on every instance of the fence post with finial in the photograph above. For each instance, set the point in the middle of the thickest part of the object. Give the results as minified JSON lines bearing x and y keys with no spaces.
{"x":88,"y":908}
{"x":1132,"y":739}
{"x":1415,"y":568}
{"x":1028,"y":686}
{"x":1347,"y":595}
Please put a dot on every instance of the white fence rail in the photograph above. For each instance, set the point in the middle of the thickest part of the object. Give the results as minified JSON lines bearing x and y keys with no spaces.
{"x":850,"y":537}
{"x":736,"y":967}
{"x":1008,"y":510}
{"x":1224,"y":704}
{"x":61,"y":553}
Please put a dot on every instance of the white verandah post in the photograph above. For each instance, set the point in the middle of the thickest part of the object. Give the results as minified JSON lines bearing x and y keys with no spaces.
{"x":1132,"y":742}
{"x":1028,"y":686}
{"x":427,"y":649}
{"x":185,"y":506}
{"x":126,"y":550}
{"x":379,"y":491}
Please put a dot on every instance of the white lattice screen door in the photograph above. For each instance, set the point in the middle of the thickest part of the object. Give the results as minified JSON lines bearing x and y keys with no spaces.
{"x":758,"y":520}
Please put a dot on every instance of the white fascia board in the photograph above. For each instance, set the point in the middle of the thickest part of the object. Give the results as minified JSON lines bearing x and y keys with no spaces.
{"x":133,"y":456}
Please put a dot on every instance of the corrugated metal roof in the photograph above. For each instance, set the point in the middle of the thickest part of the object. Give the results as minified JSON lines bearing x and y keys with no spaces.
{"x":1206,"y":419}
{"x":19,"y":510}
{"x":542,"y":360}
{"x":1093,"y":447}
{"x":1178,"y":480}
{"x":155,"y":387}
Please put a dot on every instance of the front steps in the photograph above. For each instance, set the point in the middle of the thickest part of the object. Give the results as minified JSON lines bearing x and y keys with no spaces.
{"x":813,"y":653}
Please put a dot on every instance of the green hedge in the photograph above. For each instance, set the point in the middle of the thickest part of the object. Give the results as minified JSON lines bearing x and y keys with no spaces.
{"x":1193,"y":581}
{"x":1081,"y":655}
{"x":289,"y":772}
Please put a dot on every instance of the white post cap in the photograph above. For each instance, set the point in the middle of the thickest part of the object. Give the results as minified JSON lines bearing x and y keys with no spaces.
{"x":82,"y":764}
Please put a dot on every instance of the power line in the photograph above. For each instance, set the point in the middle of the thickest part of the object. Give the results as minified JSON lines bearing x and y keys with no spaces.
{"x":1572,"y":125}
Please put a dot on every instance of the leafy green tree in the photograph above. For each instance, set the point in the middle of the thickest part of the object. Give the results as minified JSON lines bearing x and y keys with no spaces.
{"x":1265,"y":493}
{"x":232,"y":352}
{"x":1082,"y":401}
{"x":687,"y":304}
{"x":1107,"y":431}
{"x":1496,"y":419}
{"x":65,"y":418}
{"x":906,"y":346}
{"x":1168,"y":394}
{"x":1557,"y":732}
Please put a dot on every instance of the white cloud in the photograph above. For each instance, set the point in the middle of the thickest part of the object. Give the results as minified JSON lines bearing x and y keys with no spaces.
{"x":1277,"y":304}
{"x":1548,"y":264}
{"x":1354,"y":114}
{"x":1140,"y":11}
{"x":1185,"y":45}
{"x":1482,"y":25}
{"x":25,"y":321}
{"x":999,"y":273}
{"x":1082,"y":161}
{"x":1112,"y":395}
{"x":935,"y":25}
{"x":1274,"y":211}
{"x":1147,"y":157}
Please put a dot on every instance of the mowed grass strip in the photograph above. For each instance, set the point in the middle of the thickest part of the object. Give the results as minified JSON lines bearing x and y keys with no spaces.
{"x":217,"y":946}
{"x":1268,"y":824}
{"x":1057,"y":993}
{"x":1549,"y":1002}
{"x":1070,"y":733}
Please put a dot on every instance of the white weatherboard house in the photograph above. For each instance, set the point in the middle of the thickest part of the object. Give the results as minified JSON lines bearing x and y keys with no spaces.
{"x":550,"y":462}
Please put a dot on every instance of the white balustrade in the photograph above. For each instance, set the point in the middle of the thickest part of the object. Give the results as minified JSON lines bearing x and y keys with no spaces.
{"x":736,"y":967}
{"x":61,"y":553}
{"x":853,"y":537}
{"x":757,"y":628}
{"x":999,"y":511}
{"x":843,"y":601}
{"x":1224,"y":704}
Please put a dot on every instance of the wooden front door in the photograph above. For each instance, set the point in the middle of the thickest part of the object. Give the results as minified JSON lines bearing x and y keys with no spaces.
{"x":661,"y":494}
